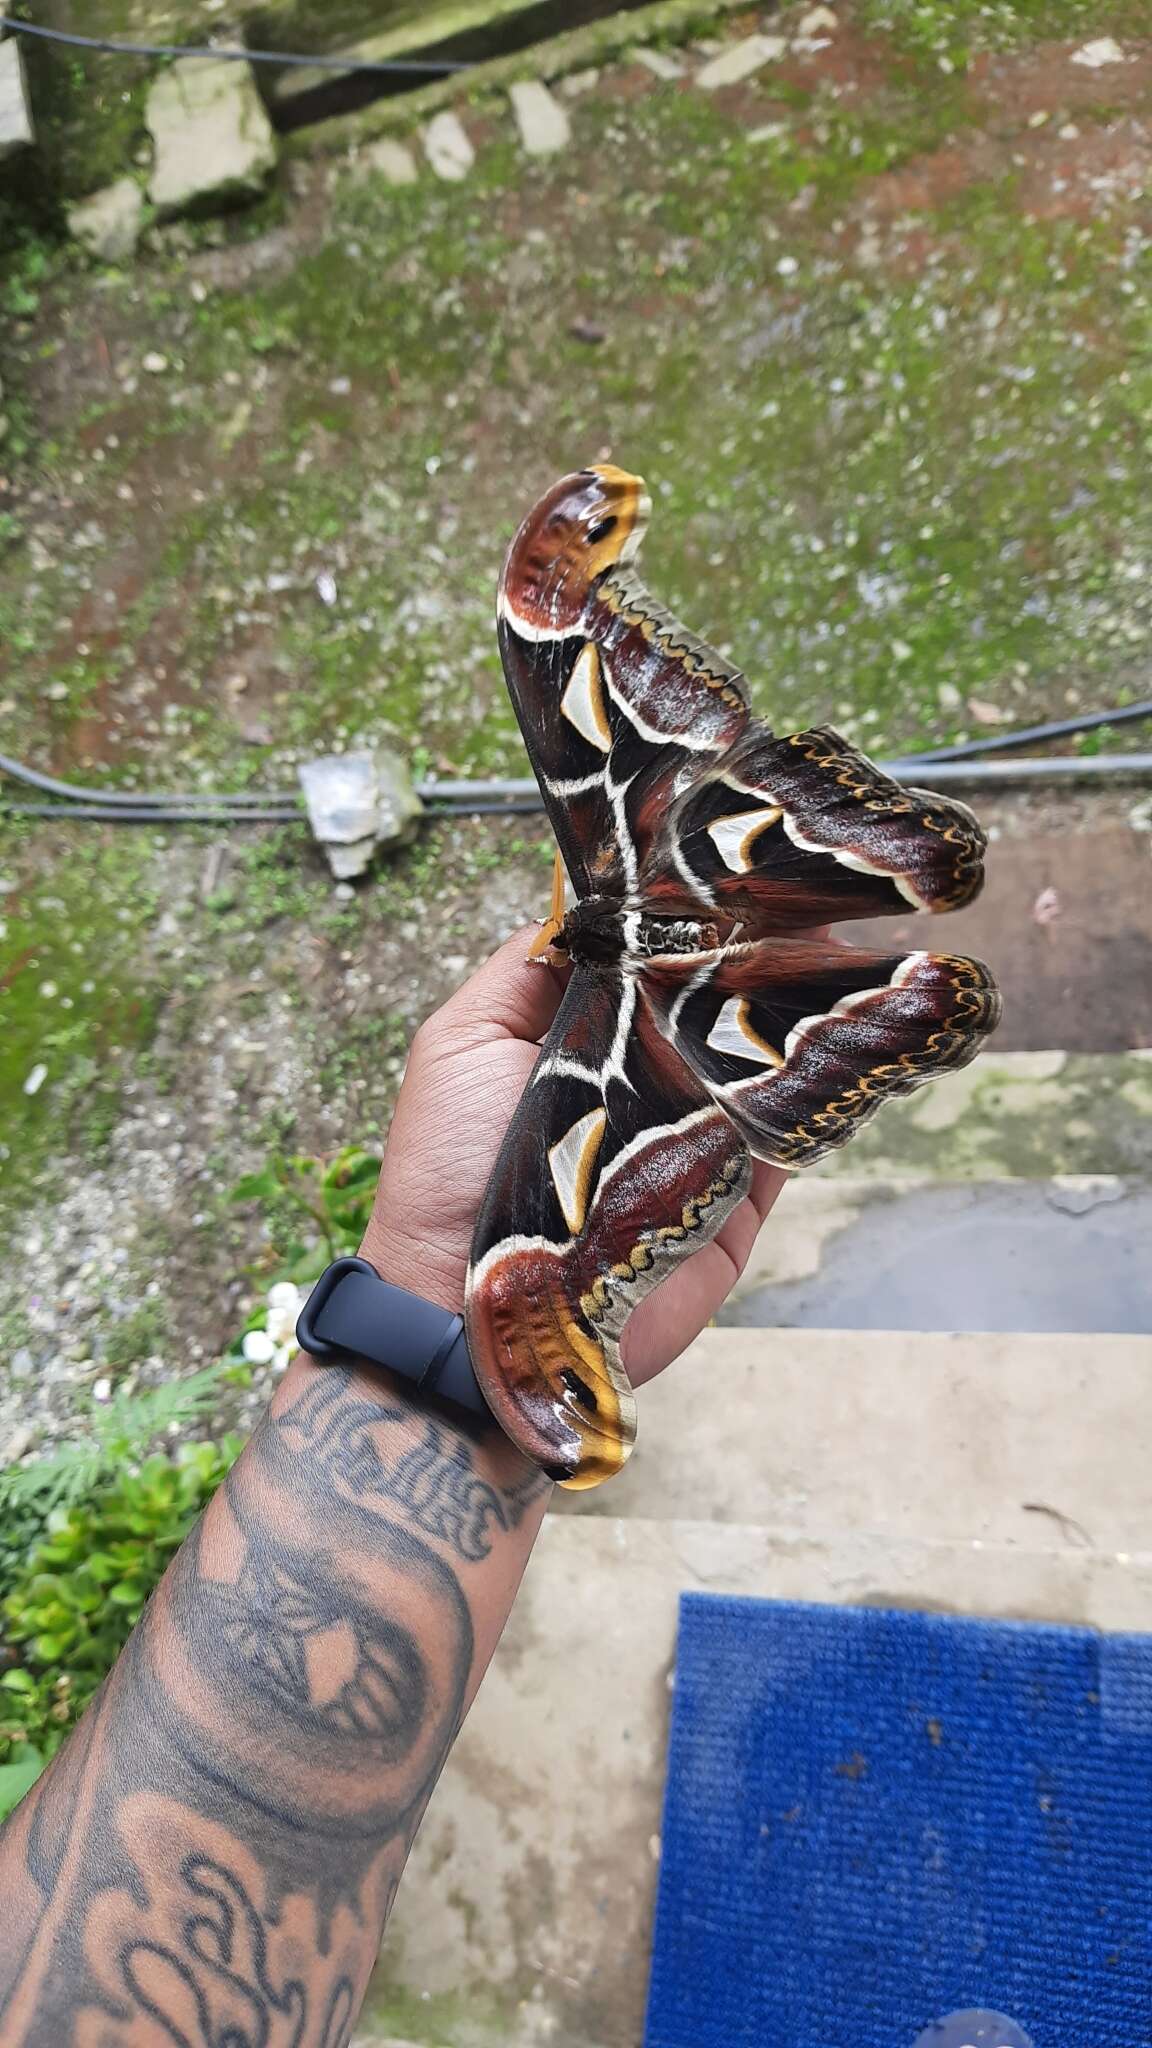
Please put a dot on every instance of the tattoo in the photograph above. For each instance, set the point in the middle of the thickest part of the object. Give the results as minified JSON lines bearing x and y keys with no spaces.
{"x":434,"y":1481}
{"x":212,"y":1857}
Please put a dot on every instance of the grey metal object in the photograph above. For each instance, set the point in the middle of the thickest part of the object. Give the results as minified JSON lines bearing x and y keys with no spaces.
{"x":357,"y":803}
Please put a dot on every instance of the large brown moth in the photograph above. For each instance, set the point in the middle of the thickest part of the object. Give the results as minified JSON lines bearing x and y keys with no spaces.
{"x":704,"y":1022}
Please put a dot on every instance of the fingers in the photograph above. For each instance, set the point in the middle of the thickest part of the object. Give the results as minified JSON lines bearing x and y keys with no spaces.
{"x":510,"y":996}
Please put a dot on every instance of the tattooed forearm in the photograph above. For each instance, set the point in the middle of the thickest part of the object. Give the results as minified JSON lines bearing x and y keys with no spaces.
{"x":435,"y":1481}
{"x":212,"y":1857}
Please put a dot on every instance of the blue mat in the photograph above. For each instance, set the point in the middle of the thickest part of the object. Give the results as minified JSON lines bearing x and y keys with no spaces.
{"x":873,"y":1820}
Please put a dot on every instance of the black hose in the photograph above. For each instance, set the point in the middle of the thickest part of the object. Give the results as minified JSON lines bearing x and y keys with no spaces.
{"x":1061,"y":728}
{"x":135,"y":798}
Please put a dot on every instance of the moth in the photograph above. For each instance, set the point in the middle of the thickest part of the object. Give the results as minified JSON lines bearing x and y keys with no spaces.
{"x":708,"y":1019}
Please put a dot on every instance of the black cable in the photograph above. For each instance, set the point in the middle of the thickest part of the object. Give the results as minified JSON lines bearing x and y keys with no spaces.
{"x":141,"y":814}
{"x":415,"y":65}
{"x":129,"y":798}
{"x":1058,"y":729}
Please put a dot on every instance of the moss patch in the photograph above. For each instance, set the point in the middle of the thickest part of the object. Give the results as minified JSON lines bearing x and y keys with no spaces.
{"x":74,"y":1003}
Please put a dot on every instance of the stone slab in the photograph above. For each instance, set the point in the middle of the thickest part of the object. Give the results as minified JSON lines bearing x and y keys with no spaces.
{"x":542,"y":123}
{"x":1073,"y":1254}
{"x":661,"y":63}
{"x":389,"y":159}
{"x":448,"y":147}
{"x":214,"y":143}
{"x":739,"y":61}
{"x":1016,"y":1441}
{"x":16,"y":130}
{"x":525,"y":1916}
{"x":108,"y":224}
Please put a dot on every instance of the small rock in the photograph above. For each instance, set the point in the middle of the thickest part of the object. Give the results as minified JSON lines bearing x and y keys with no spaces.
{"x":590,"y":331}
{"x":543,"y":124}
{"x":21,"y":1363}
{"x":1095,"y":55}
{"x":215,"y":145}
{"x":1140,"y":816}
{"x":578,"y":83}
{"x":988,"y":714}
{"x":36,"y":1080}
{"x":326,"y":588}
{"x":391,"y":160}
{"x":740,"y":60}
{"x":108,"y":224}
{"x":447,"y":147}
{"x":661,"y":63}
{"x":769,"y":131}
{"x":819,"y":21}
{"x":102,"y":1390}
{"x":948,"y":697}
{"x":154,"y":363}
{"x":16,"y":130}
{"x":787,"y":266}
{"x":357,"y":802}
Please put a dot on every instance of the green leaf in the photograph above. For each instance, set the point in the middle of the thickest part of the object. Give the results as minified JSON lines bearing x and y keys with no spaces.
{"x":18,"y":1681}
{"x":128,"y":1594}
{"x":16,"y":1780}
{"x":256,"y":1187}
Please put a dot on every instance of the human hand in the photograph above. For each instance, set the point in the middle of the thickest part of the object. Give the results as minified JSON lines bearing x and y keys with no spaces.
{"x":468,"y":1069}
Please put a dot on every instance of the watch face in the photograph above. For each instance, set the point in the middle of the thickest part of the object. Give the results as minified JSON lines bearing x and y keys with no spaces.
{"x":973,"y":2030}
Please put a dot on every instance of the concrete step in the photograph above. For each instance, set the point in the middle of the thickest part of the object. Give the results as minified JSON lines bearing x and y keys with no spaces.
{"x":1016,"y":1441}
{"x":1031,"y":1115}
{"x":525,"y":1916}
{"x":851,"y":1253}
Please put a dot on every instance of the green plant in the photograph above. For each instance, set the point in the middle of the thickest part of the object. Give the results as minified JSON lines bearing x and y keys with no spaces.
{"x":86,"y":1533}
{"x":118,"y":1434}
{"x":72,"y":1603}
{"x":317,"y":1209}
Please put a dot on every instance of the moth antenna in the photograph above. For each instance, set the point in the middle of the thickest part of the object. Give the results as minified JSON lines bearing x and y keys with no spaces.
{"x":553,"y":924}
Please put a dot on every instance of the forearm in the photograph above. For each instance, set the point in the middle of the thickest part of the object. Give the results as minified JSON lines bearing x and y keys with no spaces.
{"x":219,"y":1844}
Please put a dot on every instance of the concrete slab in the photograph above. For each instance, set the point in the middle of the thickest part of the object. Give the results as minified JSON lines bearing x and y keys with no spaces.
{"x":525,"y":1915}
{"x":1081,"y":978}
{"x":1067,"y":1255}
{"x":1019,"y":1441}
{"x":1023,"y":1115}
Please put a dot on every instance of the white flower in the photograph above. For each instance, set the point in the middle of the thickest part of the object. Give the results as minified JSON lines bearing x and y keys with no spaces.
{"x":285,"y":1302}
{"x":258,"y":1348}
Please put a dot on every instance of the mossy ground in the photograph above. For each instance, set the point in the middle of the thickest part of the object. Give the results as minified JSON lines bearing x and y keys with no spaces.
{"x":876,"y":325}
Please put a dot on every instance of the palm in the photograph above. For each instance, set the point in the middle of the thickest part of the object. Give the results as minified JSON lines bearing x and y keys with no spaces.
{"x":469,"y":1067}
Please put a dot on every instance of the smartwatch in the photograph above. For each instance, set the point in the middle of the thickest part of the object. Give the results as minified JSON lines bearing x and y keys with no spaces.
{"x":353,"y":1315}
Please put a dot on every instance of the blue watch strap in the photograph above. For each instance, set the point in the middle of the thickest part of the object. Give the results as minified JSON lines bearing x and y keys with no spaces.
{"x":353,"y":1314}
